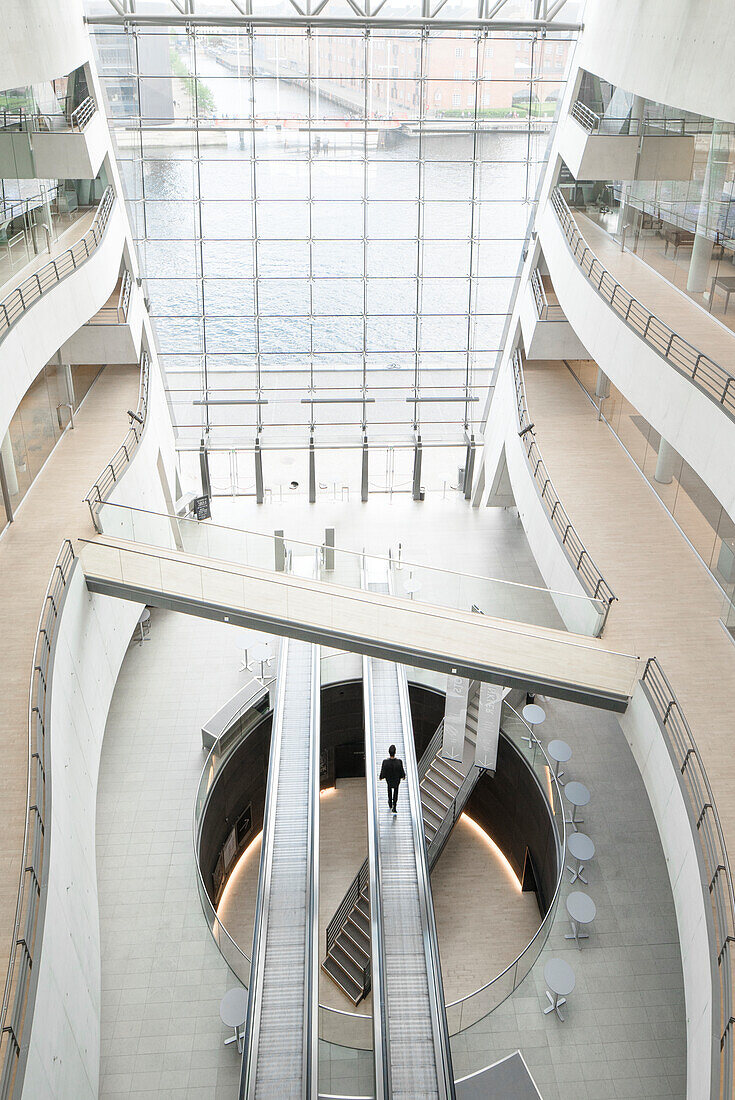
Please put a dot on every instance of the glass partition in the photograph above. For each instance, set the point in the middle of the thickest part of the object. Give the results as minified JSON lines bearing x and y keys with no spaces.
{"x":412,"y":581}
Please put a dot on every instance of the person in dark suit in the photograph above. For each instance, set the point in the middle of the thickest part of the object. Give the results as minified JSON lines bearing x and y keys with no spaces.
{"x":392,"y":772}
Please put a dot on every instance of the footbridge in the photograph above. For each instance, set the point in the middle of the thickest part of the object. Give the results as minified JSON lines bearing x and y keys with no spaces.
{"x":375,"y":624}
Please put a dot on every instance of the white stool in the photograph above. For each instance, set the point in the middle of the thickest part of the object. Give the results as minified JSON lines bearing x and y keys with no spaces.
{"x":582,"y":848}
{"x":560,"y":979}
{"x":559,"y":752}
{"x":233,"y":1011}
{"x":582,"y":910}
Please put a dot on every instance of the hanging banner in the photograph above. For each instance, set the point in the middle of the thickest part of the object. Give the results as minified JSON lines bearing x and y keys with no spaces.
{"x":488,"y":726}
{"x":455,"y":717}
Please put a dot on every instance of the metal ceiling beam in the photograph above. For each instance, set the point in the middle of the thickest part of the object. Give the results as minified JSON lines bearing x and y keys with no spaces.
{"x":345,"y":22}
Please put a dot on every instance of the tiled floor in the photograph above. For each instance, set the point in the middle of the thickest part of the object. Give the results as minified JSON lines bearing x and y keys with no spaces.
{"x":624,"y":1035}
{"x":163,"y":976}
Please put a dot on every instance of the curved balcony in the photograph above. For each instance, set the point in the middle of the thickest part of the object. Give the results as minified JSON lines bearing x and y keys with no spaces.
{"x":685,"y":391}
{"x":36,"y":145}
{"x":44,"y":310}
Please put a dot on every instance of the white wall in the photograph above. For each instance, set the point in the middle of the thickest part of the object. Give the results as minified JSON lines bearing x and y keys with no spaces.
{"x":110,"y":343}
{"x":41,"y":40}
{"x":547,"y":339}
{"x":688,"y":884}
{"x":556,"y":569}
{"x":691,"y":422}
{"x":55,"y":155}
{"x":93,"y":635}
{"x":54,"y":317}
{"x":678,"y":52}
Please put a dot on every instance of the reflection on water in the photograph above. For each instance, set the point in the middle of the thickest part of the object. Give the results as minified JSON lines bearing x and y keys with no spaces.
{"x":400,"y":256}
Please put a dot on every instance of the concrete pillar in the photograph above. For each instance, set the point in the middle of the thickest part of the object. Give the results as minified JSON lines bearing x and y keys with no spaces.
{"x":11,"y":474}
{"x":69,"y":380}
{"x":666,"y":463}
{"x":709,"y":209}
{"x":627,"y":212}
{"x":602,"y":384}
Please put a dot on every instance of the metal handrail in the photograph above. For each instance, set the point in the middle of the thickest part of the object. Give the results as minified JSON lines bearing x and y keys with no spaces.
{"x":22,"y":297}
{"x":362,"y":878}
{"x":117,"y":314}
{"x":39,"y":121}
{"x":714,"y":381}
{"x":81,"y":115}
{"x":590,"y":576}
{"x":28,"y":924}
{"x":542,"y":932}
{"x":544,"y":311}
{"x":629,"y":126}
{"x":122,"y":456}
{"x":703,"y":811}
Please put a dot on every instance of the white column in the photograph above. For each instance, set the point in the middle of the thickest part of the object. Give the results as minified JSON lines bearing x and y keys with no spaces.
{"x":709,"y":209}
{"x":602,"y":384}
{"x":628,"y":212}
{"x":11,"y":475}
{"x":666,"y":463}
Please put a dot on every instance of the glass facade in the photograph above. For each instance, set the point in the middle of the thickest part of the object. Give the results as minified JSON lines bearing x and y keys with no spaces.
{"x":330,"y":223}
{"x":38,"y":423}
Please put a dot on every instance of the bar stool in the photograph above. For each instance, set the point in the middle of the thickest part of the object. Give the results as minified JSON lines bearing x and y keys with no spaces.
{"x":559,"y":752}
{"x":578,"y":795}
{"x":560,"y":979}
{"x":582,"y":910}
{"x":233,"y":1010}
{"x":582,"y":848}
{"x":534,"y":715}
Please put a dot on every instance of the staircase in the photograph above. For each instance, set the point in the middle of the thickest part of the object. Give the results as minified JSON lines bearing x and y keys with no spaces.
{"x":348,"y":933}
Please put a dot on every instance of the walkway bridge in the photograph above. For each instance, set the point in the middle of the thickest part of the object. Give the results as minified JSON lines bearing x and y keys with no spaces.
{"x":376,"y":624}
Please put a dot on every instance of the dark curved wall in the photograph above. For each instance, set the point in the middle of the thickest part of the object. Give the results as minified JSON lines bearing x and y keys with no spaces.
{"x":514,"y":810}
{"x":510,"y":806}
{"x":242,"y":781}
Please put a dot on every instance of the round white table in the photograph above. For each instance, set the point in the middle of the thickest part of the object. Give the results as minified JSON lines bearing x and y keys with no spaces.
{"x":579,"y":796}
{"x":233,"y":1010}
{"x":581,"y":848}
{"x":260,"y":654}
{"x":582,"y":910}
{"x":534,"y":715}
{"x":559,"y":752}
{"x":560,"y":979}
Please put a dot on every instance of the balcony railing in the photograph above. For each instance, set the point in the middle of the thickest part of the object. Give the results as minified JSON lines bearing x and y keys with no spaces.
{"x":116,"y":314}
{"x":14,"y":305}
{"x":717,"y":382}
{"x":122,"y":456}
{"x":709,"y":834}
{"x":628,"y":126}
{"x":27,"y":929}
{"x":544,"y":310}
{"x":590,"y":576}
{"x":39,"y":122}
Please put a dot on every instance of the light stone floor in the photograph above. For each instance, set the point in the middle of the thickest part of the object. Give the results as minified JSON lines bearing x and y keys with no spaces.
{"x":483,"y":920}
{"x":163,"y":976}
{"x":624,"y":1035}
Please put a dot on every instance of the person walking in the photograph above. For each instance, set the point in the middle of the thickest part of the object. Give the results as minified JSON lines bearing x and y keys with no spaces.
{"x":392,"y":772}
